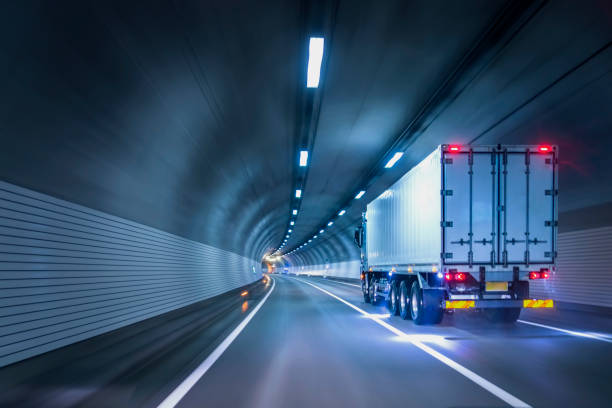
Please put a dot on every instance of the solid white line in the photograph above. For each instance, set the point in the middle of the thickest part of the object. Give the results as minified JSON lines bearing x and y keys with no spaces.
{"x":184,"y":387}
{"x":344,"y":283}
{"x":487,"y":385}
{"x":571,"y":332}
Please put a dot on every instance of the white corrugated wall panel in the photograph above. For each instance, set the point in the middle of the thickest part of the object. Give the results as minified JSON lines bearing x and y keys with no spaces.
{"x":68,"y":272}
{"x":583,"y":269}
{"x":403,"y":223}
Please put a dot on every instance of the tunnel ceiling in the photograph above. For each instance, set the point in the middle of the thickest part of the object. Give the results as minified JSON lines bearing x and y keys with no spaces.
{"x":188,"y":116}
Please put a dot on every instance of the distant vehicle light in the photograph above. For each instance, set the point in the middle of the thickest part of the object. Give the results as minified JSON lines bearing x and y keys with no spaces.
{"x":393,"y":160}
{"x":454,"y":148}
{"x":545,"y":149}
{"x":440,"y":275}
{"x":534,"y":275}
{"x":315,"y":58}
{"x":544,"y":274}
{"x":359,"y":194}
{"x":303,"y":158}
{"x":342,"y":212}
{"x":298,"y":193}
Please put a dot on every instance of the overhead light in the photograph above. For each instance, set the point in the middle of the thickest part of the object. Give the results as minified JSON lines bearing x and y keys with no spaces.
{"x":310,"y":240}
{"x":359,"y":194}
{"x":322,"y":231}
{"x":329,"y":224}
{"x":315,"y":237}
{"x":292,"y":223}
{"x":289,"y":230}
{"x":287,"y":236}
{"x":303,"y":158}
{"x":342,"y":212}
{"x":394,"y":160}
{"x":298,"y":193}
{"x":294,"y":212}
{"x":315,"y":57}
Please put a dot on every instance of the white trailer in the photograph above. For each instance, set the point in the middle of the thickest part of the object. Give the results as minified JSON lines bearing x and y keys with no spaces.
{"x":468,"y":227}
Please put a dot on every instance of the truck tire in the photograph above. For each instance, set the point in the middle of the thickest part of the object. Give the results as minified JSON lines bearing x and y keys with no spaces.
{"x":424,"y":308}
{"x":503,"y":315}
{"x":404,"y":301}
{"x":393,"y":299}
{"x":372,"y":291}
{"x":364,"y":289}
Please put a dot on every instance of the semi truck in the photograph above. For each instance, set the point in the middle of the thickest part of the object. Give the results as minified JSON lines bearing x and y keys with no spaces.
{"x":469,"y":227}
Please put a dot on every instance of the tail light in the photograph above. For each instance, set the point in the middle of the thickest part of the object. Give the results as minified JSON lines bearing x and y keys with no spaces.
{"x":542,"y":274}
{"x":454,"y":148}
{"x":534,"y":275}
{"x":545,"y":149}
{"x":458,"y":277}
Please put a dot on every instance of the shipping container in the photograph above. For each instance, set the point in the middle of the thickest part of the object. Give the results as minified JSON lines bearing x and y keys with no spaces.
{"x":468,"y":227}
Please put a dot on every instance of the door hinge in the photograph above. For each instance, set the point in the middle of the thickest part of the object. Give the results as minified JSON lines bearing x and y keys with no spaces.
{"x":549,"y":254}
{"x":446,"y":192}
{"x":446,"y":255}
{"x":448,"y":161}
{"x":446,"y":224}
{"x":550,"y":192}
{"x":551,"y":223}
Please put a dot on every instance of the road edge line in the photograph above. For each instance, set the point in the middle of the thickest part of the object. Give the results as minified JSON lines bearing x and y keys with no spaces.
{"x":185,"y":386}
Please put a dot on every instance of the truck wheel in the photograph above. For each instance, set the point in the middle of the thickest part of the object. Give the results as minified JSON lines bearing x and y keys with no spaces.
{"x":366,"y":296}
{"x":404,"y":301}
{"x":424,"y":311}
{"x":393,"y":300}
{"x":503,"y":315}
{"x":372,"y":291}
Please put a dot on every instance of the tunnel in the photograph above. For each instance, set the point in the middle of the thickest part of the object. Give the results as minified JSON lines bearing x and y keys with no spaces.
{"x":305,"y":203}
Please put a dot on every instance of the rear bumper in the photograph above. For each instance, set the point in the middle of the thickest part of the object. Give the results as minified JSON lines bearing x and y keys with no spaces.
{"x":485,"y":304}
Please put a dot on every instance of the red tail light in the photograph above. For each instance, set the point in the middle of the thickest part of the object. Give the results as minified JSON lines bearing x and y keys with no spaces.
{"x":454,"y":148}
{"x":534,"y":275}
{"x":545,"y":149}
{"x":544,"y":274}
{"x":458,"y":276}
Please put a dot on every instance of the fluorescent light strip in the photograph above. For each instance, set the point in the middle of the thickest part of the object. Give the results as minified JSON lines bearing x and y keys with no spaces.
{"x":315,"y":57}
{"x":298,"y":193}
{"x":359,"y":194}
{"x":394,"y":160}
{"x":342,"y":212}
{"x":303,"y":158}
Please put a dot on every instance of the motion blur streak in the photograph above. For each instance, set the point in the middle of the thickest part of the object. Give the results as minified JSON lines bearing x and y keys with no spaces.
{"x":177,"y":395}
{"x":487,"y":385}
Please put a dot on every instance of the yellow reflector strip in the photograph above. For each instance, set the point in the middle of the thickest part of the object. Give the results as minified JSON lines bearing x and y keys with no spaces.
{"x":534,"y":303}
{"x":459,"y":304}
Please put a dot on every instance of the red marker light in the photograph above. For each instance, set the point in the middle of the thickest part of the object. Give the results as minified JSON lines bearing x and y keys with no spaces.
{"x":460,"y":277}
{"x":534,"y":275}
{"x":544,"y":274}
{"x":448,"y":276}
{"x":544,"y":149}
{"x":454,"y":148}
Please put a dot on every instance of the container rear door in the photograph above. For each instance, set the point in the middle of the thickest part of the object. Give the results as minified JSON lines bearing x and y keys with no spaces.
{"x":528,"y":207}
{"x":469,"y":196}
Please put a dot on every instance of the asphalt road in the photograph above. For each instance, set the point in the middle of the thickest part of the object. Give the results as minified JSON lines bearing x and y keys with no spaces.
{"x":306,"y":348}
{"x":308,"y":342}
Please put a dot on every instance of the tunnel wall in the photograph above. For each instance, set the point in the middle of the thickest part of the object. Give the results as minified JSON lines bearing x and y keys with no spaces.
{"x":68,"y":272}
